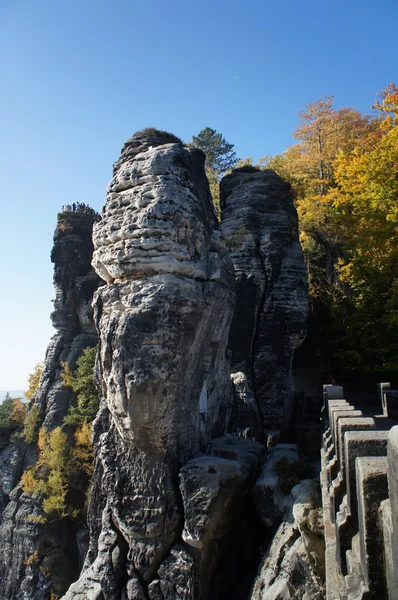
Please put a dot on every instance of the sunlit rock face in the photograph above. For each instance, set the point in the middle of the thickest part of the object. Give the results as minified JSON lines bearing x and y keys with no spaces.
{"x":259,"y":223}
{"x":163,"y":319}
{"x":165,"y":312}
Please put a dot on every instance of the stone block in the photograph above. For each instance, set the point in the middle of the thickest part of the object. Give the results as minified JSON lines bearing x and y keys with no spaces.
{"x":344,"y":421}
{"x":336,"y":416}
{"x":338,"y":412}
{"x":334,"y":392}
{"x":372,"y":489}
{"x":389,"y":558}
{"x":327,"y":436}
{"x":392,"y":458}
{"x":357,"y":444}
{"x":351,"y":423}
{"x":381,"y":388}
{"x":333,"y":404}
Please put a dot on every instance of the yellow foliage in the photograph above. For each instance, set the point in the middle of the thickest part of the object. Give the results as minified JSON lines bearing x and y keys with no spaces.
{"x":18,"y":412}
{"x":53,"y":449}
{"x":82,"y":453}
{"x":344,"y":172}
{"x":37,"y":519}
{"x":29,"y":481}
{"x":34,"y":380}
{"x":67,"y":375}
{"x":389,"y":106}
{"x":31,"y":425}
{"x":33,"y":560}
{"x":50,"y":474}
{"x":55,"y":494}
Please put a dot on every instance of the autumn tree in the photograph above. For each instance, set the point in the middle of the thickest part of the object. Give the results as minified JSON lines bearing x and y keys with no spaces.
{"x":61,"y":466}
{"x":32,"y":424}
{"x":12,"y":412}
{"x":322,"y":133}
{"x":34,"y":380}
{"x":367,"y":208}
{"x":49,"y":477}
{"x":342,"y":171}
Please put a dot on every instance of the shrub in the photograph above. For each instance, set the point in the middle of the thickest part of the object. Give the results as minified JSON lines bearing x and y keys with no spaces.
{"x":33,"y":560}
{"x":236,"y":238}
{"x":82,"y":382}
{"x":31,"y":425}
{"x":29,"y":481}
{"x":49,"y":476}
{"x":82,"y":454}
{"x":246,"y":169}
{"x":170,"y":137}
{"x":18,"y":414}
{"x":37,"y":519}
{"x":57,"y":466}
{"x":291,"y":472}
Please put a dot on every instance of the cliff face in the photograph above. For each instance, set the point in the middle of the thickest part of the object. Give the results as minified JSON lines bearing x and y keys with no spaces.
{"x":163,"y":318}
{"x":75,"y":282}
{"x":259,"y":223}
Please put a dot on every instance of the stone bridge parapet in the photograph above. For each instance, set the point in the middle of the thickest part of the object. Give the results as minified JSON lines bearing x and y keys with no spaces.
{"x":359,"y":480}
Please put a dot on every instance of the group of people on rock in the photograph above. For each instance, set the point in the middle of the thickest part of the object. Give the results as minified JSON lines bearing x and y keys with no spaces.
{"x":77,"y":206}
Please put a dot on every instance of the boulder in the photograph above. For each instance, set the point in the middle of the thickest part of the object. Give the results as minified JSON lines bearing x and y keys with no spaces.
{"x":270,"y":501}
{"x":293,"y":567}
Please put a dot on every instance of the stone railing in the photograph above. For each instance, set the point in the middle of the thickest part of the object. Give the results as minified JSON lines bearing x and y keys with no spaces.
{"x":360,"y":497}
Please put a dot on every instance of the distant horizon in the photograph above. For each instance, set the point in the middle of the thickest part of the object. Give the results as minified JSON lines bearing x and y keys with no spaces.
{"x":21,"y":394}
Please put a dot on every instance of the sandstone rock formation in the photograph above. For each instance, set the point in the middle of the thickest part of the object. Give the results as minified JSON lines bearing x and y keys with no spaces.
{"x":163,"y":319}
{"x":172,"y":511}
{"x":75,"y":283}
{"x":269,"y":499}
{"x":259,"y":223}
{"x":294,"y":566}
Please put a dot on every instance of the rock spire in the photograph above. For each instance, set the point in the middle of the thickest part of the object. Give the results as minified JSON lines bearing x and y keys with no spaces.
{"x":163,"y":319}
{"x":259,"y":223}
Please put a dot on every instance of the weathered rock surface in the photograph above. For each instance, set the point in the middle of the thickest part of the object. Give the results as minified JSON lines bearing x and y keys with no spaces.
{"x":163,"y":319}
{"x":259,"y":223}
{"x":214,"y":489}
{"x":245,"y":417}
{"x":171,"y":510}
{"x":75,"y":282}
{"x":293,"y":567}
{"x":269,"y":499}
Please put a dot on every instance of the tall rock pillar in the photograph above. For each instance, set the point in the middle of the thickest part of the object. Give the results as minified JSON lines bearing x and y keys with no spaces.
{"x":163,"y":319}
{"x":259,"y":223}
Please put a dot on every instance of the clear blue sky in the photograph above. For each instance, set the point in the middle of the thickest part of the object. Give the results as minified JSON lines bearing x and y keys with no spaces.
{"x":80,"y":77}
